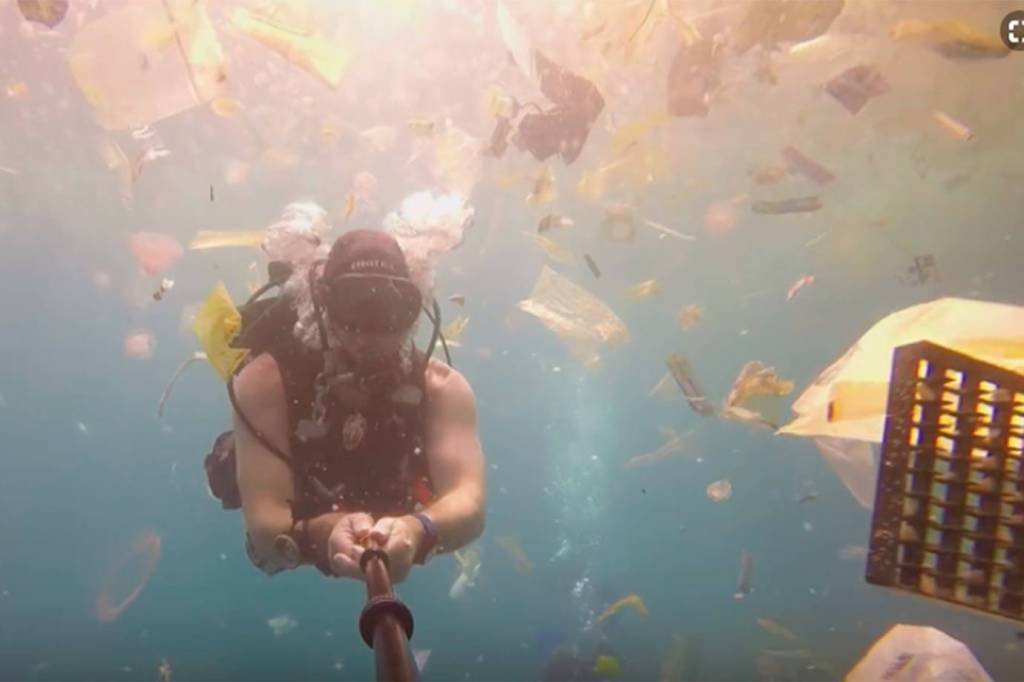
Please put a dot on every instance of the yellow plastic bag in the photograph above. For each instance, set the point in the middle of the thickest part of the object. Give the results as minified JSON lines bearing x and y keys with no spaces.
{"x":286,"y":27}
{"x":147,"y":61}
{"x":217,"y":323}
{"x":848,"y":399}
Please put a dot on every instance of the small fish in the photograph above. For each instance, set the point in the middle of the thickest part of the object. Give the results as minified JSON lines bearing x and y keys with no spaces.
{"x":953,"y":126}
{"x":592,"y":265}
{"x":421,"y":126}
{"x":746,"y":570}
{"x":798,"y":285}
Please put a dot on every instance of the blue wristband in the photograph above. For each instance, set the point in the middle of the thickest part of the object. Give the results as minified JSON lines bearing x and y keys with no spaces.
{"x":426,"y":548}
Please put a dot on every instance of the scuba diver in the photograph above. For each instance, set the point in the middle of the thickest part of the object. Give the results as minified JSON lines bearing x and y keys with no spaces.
{"x":359,"y":438}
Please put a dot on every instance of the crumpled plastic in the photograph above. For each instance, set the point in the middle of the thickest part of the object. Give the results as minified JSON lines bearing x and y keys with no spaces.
{"x":754,"y":395}
{"x":562,"y":129}
{"x":216,"y":325}
{"x":848,"y":399}
{"x":694,"y":75}
{"x":457,"y":162}
{"x":428,"y":227}
{"x":855,"y":462}
{"x":578,"y":317}
{"x":951,"y":39}
{"x":147,"y":61}
{"x":49,"y":13}
{"x":288,"y":28}
{"x":916,"y":653}
{"x":768,"y":22}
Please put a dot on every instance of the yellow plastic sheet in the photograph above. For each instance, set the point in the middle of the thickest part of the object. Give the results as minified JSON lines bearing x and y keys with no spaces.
{"x":848,"y":399}
{"x":287,"y":27}
{"x":147,"y":61}
{"x":216,"y":239}
{"x":216,"y":325}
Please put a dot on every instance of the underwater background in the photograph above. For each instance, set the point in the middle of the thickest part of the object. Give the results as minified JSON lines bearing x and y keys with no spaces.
{"x":99,"y":494}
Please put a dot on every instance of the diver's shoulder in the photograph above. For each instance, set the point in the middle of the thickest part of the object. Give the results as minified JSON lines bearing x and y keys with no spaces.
{"x":442,"y":377}
{"x":261,"y":377}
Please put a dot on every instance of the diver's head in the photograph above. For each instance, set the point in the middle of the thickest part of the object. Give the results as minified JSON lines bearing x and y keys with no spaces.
{"x":370,"y":301}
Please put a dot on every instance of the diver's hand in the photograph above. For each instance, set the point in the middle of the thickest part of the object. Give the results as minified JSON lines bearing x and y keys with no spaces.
{"x":346,"y":544}
{"x":398,"y":537}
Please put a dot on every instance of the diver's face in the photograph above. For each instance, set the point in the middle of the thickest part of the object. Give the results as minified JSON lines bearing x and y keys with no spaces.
{"x":368,"y":346}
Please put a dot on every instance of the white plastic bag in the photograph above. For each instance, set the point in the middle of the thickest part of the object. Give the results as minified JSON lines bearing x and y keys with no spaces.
{"x":915,"y":653}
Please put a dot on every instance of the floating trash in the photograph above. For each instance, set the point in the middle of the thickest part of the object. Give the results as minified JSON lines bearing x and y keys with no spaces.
{"x":631,"y":601}
{"x":857,"y":85}
{"x":282,"y":625}
{"x":719,"y":491}
{"x":796,"y":205}
{"x":689,"y":315}
{"x":127,"y":576}
{"x":155,"y":253}
{"x":139,"y":344}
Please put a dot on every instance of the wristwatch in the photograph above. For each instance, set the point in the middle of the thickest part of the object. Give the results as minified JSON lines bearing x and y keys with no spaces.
{"x":428,"y":545}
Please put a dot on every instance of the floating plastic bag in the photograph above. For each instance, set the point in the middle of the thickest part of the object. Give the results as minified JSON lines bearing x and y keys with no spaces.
{"x":147,"y":61}
{"x":915,"y":653}
{"x":216,"y":325}
{"x":848,"y":399}
{"x":855,"y":463}
{"x":427,"y":227}
{"x":288,"y":28}
{"x":581,"y":319}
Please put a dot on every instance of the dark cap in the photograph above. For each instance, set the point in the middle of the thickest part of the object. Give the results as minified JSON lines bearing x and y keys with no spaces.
{"x":367,"y":283}
{"x":366,"y":252}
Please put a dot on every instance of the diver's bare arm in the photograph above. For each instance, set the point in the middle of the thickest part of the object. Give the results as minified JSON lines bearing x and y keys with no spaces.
{"x":456,"y":465}
{"x":264,"y":481}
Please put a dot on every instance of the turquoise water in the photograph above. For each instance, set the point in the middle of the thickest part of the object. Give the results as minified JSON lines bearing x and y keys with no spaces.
{"x":88,"y":466}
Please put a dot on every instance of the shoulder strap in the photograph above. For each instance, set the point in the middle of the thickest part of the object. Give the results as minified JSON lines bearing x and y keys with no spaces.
{"x":252,"y":429}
